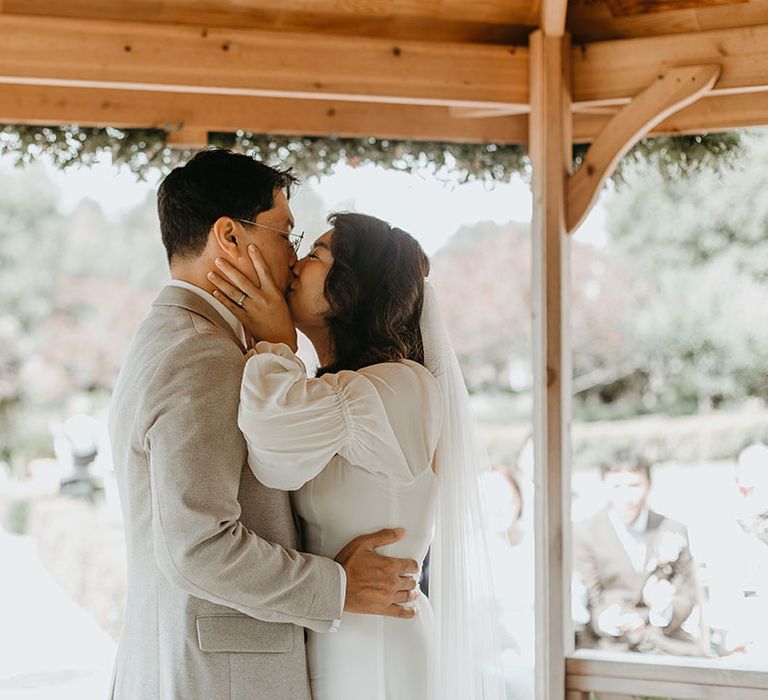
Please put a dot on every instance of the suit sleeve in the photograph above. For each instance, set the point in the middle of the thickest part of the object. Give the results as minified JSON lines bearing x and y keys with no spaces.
{"x":196,"y":456}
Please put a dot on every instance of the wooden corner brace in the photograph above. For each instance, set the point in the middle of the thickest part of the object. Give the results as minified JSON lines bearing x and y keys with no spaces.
{"x":671,"y":91}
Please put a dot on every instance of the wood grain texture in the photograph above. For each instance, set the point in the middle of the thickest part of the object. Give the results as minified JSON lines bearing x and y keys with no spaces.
{"x":550,"y":154}
{"x":29,"y":104}
{"x":112,"y":54}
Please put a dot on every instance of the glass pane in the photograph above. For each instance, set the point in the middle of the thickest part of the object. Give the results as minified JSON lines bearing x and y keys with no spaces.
{"x":482,"y":275}
{"x":670,"y":467}
{"x":74,"y":299}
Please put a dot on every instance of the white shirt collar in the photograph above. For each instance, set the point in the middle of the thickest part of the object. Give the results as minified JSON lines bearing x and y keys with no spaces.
{"x":637,"y":528}
{"x":640,"y":525}
{"x":226,"y":314}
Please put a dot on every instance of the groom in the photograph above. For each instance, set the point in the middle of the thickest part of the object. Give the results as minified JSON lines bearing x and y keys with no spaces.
{"x":218,"y":592}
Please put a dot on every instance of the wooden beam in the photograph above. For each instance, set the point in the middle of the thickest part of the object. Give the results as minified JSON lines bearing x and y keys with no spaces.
{"x":497,"y":21}
{"x":670,"y":92}
{"x":550,"y":153}
{"x":160,"y":57}
{"x":710,"y":113}
{"x":553,"y":14}
{"x":614,"y":72}
{"x":616,"y":689}
{"x":623,"y":8}
{"x":135,"y":56}
{"x":30,"y":104}
{"x":587,"y":663}
{"x":593,"y":21}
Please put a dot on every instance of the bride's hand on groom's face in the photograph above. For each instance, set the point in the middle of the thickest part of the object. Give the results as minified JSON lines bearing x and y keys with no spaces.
{"x":378,"y":585}
{"x":257,"y":303}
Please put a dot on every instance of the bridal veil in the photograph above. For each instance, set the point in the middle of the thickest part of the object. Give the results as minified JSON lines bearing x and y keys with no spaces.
{"x":466,"y":654}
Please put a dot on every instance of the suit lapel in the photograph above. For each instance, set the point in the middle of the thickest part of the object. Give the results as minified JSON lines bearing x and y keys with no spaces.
{"x":183,"y":298}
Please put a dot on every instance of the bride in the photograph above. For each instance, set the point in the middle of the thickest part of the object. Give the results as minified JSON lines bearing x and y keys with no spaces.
{"x":381,"y":437}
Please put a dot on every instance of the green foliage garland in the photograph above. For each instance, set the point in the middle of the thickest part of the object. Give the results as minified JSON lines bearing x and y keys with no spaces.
{"x":679,"y":156}
{"x":144,"y":150}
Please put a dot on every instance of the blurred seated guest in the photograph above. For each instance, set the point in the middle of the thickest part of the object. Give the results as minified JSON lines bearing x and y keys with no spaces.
{"x":740,"y":593}
{"x":752,"y":482}
{"x":637,"y":568}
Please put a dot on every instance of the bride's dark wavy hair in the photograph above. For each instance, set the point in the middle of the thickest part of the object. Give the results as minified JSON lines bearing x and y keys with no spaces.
{"x":375,"y":289}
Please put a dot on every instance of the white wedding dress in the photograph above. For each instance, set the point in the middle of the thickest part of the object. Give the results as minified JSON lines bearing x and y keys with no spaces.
{"x":358,"y":448}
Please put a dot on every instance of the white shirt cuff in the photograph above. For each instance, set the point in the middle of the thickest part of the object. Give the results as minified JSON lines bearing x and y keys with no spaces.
{"x":343,"y":580}
{"x":605,"y":621}
{"x":663,"y":618}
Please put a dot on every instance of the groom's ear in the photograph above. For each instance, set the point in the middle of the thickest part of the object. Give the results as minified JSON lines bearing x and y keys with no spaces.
{"x":225,"y":235}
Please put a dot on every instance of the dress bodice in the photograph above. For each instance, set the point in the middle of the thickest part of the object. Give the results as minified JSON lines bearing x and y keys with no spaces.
{"x":358,"y":449}
{"x":344,"y":501}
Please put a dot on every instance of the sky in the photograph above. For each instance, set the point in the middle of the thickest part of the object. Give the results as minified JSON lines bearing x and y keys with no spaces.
{"x":419,"y":203}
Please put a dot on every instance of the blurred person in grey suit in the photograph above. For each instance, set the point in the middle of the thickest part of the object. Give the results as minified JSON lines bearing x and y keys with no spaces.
{"x":636,"y":566}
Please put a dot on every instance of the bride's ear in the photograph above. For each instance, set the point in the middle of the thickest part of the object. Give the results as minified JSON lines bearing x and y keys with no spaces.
{"x":226,"y":236}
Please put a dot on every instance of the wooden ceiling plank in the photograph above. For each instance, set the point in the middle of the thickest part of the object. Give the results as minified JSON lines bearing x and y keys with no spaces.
{"x":593,"y":21}
{"x":613,"y":72}
{"x":433,"y":18}
{"x":624,"y":8}
{"x":124,"y":55}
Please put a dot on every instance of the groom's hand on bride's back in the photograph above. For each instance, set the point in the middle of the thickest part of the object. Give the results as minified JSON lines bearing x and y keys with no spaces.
{"x":376,"y":584}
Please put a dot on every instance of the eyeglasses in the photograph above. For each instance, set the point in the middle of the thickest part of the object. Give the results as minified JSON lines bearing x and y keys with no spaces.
{"x":294,"y":239}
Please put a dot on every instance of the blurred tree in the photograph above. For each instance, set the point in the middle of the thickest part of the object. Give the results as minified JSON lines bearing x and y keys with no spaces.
{"x":30,"y":240}
{"x":75,"y":286}
{"x":483,"y":278}
{"x":701,"y":244}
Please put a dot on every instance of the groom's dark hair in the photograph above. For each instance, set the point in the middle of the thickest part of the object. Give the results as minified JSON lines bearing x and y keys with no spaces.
{"x":215,"y":183}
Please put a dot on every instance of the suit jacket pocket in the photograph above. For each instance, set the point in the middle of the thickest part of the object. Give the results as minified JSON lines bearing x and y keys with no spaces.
{"x":238,"y":633}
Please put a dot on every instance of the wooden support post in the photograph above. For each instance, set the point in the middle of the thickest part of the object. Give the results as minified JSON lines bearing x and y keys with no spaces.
{"x":553,"y":14}
{"x":550,"y":153}
{"x":670,"y":92}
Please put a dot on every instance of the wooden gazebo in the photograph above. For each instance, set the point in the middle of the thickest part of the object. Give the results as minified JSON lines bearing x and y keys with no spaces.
{"x":546,"y":73}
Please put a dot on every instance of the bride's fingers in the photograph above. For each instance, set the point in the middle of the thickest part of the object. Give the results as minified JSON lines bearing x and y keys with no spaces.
{"x":250,"y":287}
{"x":238,"y":311}
{"x":226,"y":288}
{"x":261,"y":269}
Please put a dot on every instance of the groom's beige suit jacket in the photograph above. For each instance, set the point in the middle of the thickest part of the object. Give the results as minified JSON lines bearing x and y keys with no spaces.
{"x":217,"y":596}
